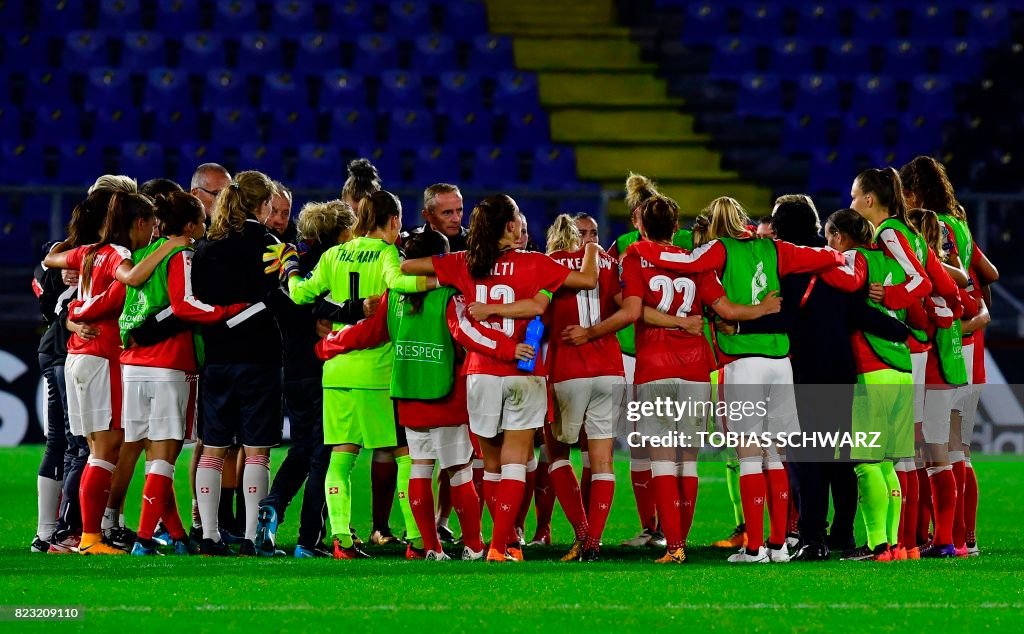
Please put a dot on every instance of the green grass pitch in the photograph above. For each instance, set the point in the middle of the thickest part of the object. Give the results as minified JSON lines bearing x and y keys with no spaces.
{"x":624,"y":592}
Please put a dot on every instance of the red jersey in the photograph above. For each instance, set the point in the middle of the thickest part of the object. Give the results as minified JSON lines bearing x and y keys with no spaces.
{"x":601,"y":357}
{"x":100,"y":306}
{"x":516,"y":275}
{"x":178,"y":352}
{"x":444,"y":412}
{"x":668,"y":353}
{"x":712,"y":256}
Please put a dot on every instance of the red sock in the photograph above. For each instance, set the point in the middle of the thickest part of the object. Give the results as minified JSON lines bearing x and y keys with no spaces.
{"x":924,"y":506}
{"x":688,"y":496}
{"x":943,"y":505}
{"x":902,"y":477}
{"x":421,"y":500}
{"x":444,"y":496}
{"x":478,"y":484}
{"x":640,"y":478}
{"x":510,"y":496}
{"x":911,"y":502}
{"x":970,"y":505}
{"x":467,"y":508}
{"x":383,"y":482}
{"x":154,"y":503}
{"x":544,"y":498}
{"x":490,"y":490}
{"x":563,"y":479}
{"x":752,"y":495}
{"x":602,"y":490}
{"x":778,"y":505}
{"x":959,"y":531}
{"x":171,"y":517}
{"x":793,"y":513}
{"x":94,"y":493}
{"x":666,"y":499}
{"x":524,"y":508}
{"x":585,"y":480}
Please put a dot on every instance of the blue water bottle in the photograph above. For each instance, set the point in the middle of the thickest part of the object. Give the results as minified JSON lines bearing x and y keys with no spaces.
{"x":534,"y":333}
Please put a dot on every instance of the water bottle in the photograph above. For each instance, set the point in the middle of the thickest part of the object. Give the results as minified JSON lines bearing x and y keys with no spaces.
{"x":534,"y":333}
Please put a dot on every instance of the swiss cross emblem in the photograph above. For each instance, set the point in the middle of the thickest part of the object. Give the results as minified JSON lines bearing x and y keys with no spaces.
{"x":416,"y":502}
{"x":758,"y":500}
{"x":252,"y":489}
{"x":603,"y":506}
{"x":506,"y":507}
{"x":784,"y":495}
{"x":204,"y":489}
{"x":687,"y":503}
{"x":676,"y":503}
{"x":333,"y":490}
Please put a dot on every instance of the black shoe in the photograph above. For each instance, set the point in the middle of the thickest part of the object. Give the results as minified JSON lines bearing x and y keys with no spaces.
{"x":196,"y":533}
{"x":40,"y":546}
{"x":812,"y":552}
{"x":228,"y":537}
{"x":355,"y":537}
{"x":858,"y":554}
{"x":446,"y":535}
{"x":210,"y":548}
{"x":120,"y":537}
{"x":247,"y":548}
{"x":590,"y":554}
{"x":938,"y":552}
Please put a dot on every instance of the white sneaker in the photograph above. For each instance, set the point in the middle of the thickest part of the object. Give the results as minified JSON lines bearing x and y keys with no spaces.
{"x":520,"y":537}
{"x":780,"y":555}
{"x":433,"y":555}
{"x":792,"y":541}
{"x":973,"y":551}
{"x":468,"y":554}
{"x":641,"y":540}
{"x":744,"y":558}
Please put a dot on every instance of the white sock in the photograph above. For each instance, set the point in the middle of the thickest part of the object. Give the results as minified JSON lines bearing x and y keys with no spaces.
{"x":255,"y":484}
{"x":48,"y":491}
{"x":109,"y":519}
{"x":208,"y":480}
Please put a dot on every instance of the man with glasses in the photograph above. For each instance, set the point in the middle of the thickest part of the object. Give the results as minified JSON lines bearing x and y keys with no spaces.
{"x":207,"y":181}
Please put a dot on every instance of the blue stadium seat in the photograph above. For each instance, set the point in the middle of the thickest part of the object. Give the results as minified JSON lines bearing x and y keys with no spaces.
{"x":791,"y":57}
{"x":318,"y":166}
{"x":236,"y":16}
{"x":46,"y":87}
{"x":21,"y":163}
{"x":848,"y":57}
{"x":961,"y":57}
{"x":79,"y":163}
{"x":234,"y":126}
{"x":817,"y":21}
{"x":733,"y":57}
{"x":526,"y":128}
{"x":178,"y":16}
{"x":166,"y":87}
{"x":107,"y":87}
{"x":459,"y":92}
{"x":490,"y":52}
{"x":293,"y":18}
{"x":12,"y":14}
{"x":516,"y":91}
{"x":143,"y":50}
{"x":933,"y":20}
{"x":260,"y":52}
{"x":704,"y":21}
{"x":194,"y":154}
{"x":467,"y":130}
{"x":202,"y":50}
{"x":263,"y":158}
{"x":375,"y":53}
{"x":57,"y":124}
{"x":352,"y":127}
{"x":408,"y":18}
{"x":142,"y":160}
{"x":874,"y":22}
{"x":342,"y":89}
{"x":386,"y":159}
{"x":932,"y":94}
{"x":120,"y":15}
{"x":85,"y":49}
{"x":873,"y":94}
{"x":989,"y":20}
{"x":116,"y":123}
{"x":60,"y":16}
{"x":400,"y":89}
{"x":761,"y":18}
{"x":24,"y":45}
{"x":920,"y":132}
{"x":411,"y":128}
{"x":172,"y":123}
{"x":861,"y":133}
{"x":904,"y":58}
{"x":351,"y":16}
{"x":803,"y":132}
{"x":465,"y":17}
{"x":225,"y":88}
{"x":11,"y":123}
{"x":284,"y":90}
{"x":817,"y":94}
{"x":295,"y":125}
{"x":831,"y":170}
{"x":318,"y":52}
{"x":759,"y":95}
{"x":433,"y":54}
{"x":495,"y":166}
{"x":435,"y":164}
{"x":554,"y":167}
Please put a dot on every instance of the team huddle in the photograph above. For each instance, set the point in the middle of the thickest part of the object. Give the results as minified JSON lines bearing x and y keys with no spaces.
{"x":471,"y":358}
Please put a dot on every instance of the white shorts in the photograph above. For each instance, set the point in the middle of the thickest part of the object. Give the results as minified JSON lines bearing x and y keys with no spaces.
{"x":918,"y":366}
{"x":449,"y":446}
{"x":159,"y":404}
{"x":937,"y":407}
{"x":967,"y":398}
{"x":694,"y":398}
{"x":596,"y":402}
{"x":94,"y":394}
{"x":753,"y":385}
{"x":505,"y":403}
{"x":629,"y":368}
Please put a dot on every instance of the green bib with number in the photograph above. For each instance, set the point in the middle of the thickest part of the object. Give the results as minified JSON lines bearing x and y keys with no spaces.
{"x":886,"y":271}
{"x":751,"y":272}
{"x":917,"y":245}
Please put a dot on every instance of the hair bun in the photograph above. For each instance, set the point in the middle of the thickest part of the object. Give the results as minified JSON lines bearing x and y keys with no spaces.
{"x":362,"y":168}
